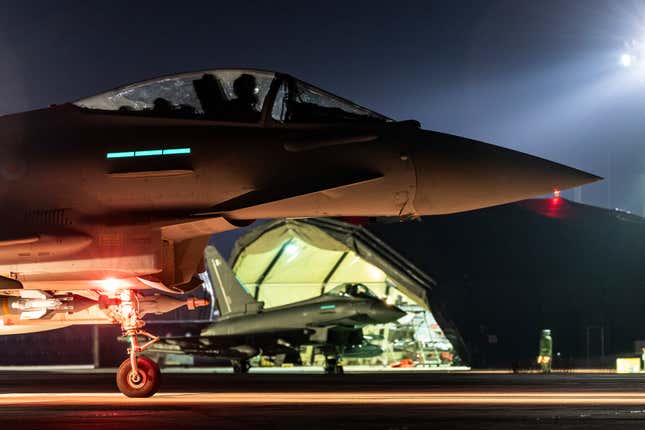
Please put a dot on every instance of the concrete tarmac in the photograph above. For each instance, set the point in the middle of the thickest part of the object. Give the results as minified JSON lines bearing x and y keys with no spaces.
{"x":84,"y":399}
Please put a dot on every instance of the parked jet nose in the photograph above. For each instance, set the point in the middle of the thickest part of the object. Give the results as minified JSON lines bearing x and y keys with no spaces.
{"x":455,"y":174}
{"x":382,"y":313}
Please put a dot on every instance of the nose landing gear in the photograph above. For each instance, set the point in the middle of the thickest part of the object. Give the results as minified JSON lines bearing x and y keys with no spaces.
{"x":137,"y":376}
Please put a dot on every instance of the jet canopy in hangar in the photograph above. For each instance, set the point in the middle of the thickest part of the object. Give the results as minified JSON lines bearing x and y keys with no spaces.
{"x":289,"y":260}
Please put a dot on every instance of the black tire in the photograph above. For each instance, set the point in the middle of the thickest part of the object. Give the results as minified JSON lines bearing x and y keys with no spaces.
{"x":146,"y":386}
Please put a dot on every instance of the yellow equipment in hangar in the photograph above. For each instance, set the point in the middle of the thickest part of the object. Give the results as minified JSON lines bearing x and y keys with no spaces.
{"x":288,"y":260}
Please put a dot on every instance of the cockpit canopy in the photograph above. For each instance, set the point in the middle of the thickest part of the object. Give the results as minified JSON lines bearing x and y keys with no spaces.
{"x":352,"y":290}
{"x":241,"y":96}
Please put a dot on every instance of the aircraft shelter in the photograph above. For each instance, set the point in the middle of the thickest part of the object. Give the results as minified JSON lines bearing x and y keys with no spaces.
{"x":289,"y":260}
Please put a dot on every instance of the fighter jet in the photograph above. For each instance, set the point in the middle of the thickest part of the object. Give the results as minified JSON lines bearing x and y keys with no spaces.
{"x":115,"y":194}
{"x":332,"y":322}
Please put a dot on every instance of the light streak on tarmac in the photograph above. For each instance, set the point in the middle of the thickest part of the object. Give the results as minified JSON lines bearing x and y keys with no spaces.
{"x":331,"y":398}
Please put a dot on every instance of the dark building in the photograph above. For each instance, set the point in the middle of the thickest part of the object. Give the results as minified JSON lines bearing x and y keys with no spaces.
{"x":506,"y":272}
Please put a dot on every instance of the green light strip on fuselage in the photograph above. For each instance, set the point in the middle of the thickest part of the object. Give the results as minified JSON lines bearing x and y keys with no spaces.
{"x":323,"y":307}
{"x":176,"y":151}
{"x":148,"y":153}
{"x":120,"y":154}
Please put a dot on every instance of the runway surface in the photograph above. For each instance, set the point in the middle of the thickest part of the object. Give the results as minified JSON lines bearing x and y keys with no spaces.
{"x":85,"y":399}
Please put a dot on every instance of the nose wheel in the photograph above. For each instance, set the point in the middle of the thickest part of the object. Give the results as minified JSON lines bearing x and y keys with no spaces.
{"x":143,"y":381}
{"x":137,"y":376}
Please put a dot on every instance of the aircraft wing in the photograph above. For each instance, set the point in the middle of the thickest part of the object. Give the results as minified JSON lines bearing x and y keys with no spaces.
{"x":219,"y":346}
{"x":176,"y":345}
{"x":196,"y":226}
{"x":208,"y":346}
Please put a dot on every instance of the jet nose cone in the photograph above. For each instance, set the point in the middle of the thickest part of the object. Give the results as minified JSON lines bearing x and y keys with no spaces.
{"x":383,"y":313}
{"x":455,"y":174}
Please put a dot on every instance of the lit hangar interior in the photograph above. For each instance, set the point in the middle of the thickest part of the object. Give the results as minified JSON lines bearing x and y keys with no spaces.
{"x":289,"y":260}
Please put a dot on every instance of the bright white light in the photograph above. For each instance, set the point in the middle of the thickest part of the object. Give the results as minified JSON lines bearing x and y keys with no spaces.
{"x":390,"y":300}
{"x":111,"y":284}
{"x":374,"y":272}
{"x":626,"y":60}
{"x":291,"y":249}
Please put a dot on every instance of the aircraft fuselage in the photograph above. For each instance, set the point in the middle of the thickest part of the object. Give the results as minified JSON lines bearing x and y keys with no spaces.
{"x":324,"y":311}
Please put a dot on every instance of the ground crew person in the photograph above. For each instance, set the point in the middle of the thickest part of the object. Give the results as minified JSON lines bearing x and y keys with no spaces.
{"x":546,"y":351}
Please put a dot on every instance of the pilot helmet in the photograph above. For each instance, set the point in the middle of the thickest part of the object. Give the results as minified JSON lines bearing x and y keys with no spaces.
{"x":245,"y":85}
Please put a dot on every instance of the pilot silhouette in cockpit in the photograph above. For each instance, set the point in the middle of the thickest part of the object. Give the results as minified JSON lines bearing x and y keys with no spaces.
{"x":244,"y":107}
{"x":210,"y":95}
{"x":352,"y":290}
{"x":162,"y":106}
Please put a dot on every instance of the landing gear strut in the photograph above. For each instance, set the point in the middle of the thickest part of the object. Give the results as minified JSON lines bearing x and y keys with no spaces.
{"x":333,"y":365}
{"x":241,"y":366}
{"x":137,"y":376}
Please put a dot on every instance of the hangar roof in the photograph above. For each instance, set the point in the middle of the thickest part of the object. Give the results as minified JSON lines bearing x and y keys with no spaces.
{"x":325,"y":250}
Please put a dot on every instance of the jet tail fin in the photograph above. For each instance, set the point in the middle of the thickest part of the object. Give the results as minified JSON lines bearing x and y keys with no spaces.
{"x":232,"y":297}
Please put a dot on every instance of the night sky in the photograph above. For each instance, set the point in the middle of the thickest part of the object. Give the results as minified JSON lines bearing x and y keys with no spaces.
{"x":541,"y":77}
